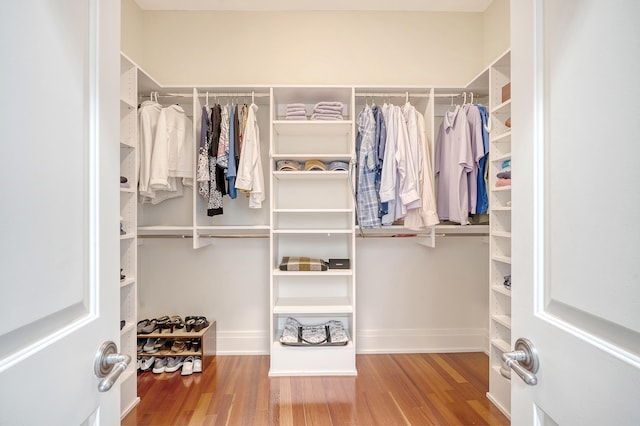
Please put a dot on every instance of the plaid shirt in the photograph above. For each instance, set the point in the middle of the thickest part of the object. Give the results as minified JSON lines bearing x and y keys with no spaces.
{"x":366,"y":194}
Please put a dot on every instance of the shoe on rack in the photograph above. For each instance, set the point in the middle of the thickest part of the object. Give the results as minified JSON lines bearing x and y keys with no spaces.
{"x":150,"y":345}
{"x":151,"y":326}
{"x":146,"y":363}
{"x":178,"y":346}
{"x":197,"y":364}
{"x":201,"y":322}
{"x":174,"y":363}
{"x":195,"y":345}
{"x":160,"y":365}
{"x":187,"y":366}
{"x":141,"y":324}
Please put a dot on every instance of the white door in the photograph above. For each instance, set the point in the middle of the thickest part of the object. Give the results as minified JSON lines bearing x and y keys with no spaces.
{"x":576,"y":209}
{"x":59,"y":158}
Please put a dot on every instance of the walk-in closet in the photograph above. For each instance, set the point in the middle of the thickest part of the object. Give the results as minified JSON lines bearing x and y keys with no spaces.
{"x":424,"y":285}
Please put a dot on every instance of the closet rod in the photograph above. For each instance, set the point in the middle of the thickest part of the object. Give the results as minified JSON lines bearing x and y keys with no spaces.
{"x":439,"y":234}
{"x":204,"y":236}
{"x":405,"y":94}
{"x":220,"y":95}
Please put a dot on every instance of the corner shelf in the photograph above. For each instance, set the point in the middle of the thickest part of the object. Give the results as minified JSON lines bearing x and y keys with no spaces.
{"x":500,"y":235}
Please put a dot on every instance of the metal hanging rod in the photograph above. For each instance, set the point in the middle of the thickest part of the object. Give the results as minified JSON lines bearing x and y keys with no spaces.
{"x":187,"y":236}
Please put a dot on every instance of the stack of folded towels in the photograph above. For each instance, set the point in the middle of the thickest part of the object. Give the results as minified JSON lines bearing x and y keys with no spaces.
{"x":296,"y":112}
{"x":504,"y":175}
{"x":327,"y":111}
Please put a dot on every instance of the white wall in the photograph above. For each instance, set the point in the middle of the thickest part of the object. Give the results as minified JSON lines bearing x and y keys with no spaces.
{"x":496,"y":22}
{"x":366,"y":48}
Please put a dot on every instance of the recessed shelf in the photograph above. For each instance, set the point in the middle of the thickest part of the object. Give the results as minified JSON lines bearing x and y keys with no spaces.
{"x":501,"y":345}
{"x":501,"y":289}
{"x":327,"y":273}
{"x":504,"y":320}
{"x":501,"y":234}
{"x":502,"y":107}
{"x":502,"y":188}
{"x":325,"y":174}
{"x":501,"y":137}
{"x":503,"y":259}
{"x":316,"y":305}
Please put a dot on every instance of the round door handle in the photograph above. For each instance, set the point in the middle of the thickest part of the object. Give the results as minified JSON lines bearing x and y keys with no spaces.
{"x":109,"y":365}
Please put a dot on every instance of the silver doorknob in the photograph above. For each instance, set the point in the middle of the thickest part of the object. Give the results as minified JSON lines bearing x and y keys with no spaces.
{"x":524,"y":361}
{"x":109,"y":365}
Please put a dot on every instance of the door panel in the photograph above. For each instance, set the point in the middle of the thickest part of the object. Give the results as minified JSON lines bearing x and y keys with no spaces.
{"x":576,"y":237}
{"x":58,"y":159}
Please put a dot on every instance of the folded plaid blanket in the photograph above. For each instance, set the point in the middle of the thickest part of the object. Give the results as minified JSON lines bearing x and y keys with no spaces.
{"x":303,"y":264}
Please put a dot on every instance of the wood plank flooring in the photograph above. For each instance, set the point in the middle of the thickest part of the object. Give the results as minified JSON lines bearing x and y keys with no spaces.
{"x":390,"y":389}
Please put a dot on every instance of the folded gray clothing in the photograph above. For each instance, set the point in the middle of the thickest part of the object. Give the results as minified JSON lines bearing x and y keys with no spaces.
{"x":296,"y":109}
{"x":326,"y":117}
{"x":328,"y":112}
{"x":504,"y":175}
{"x":328,"y":109}
{"x":296,"y":113}
{"x":328,"y":104}
{"x":296,"y":117}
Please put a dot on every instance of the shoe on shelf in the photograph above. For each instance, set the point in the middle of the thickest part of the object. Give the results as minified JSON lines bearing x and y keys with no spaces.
{"x":141,"y":324}
{"x":178,"y":346}
{"x":159,"y":365}
{"x":151,"y":326}
{"x":195,"y":345}
{"x":187,"y":366}
{"x":122,"y":231}
{"x":122,"y":275}
{"x":141,"y":343}
{"x":201,"y":322}
{"x":122,"y":324}
{"x":150,"y":345}
{"x":197,"y":364}
{"x":174,"y":363}
{"x":146,"y":363}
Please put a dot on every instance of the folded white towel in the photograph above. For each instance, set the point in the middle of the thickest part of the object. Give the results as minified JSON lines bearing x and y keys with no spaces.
{"x":296,"y":105}
{"x":296,"y":117}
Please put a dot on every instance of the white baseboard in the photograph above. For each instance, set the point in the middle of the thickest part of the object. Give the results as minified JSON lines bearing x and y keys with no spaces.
{"x":422,"y":340}
{"x":242,"y":343}
{"x":368,"y":341}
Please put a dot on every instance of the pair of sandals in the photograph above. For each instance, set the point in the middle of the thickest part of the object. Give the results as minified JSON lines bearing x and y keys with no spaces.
{"x":147,"y":326}
{"x":196,"y":323}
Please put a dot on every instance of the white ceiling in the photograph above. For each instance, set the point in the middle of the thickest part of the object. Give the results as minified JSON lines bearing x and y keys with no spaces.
{"x":371,"y":5}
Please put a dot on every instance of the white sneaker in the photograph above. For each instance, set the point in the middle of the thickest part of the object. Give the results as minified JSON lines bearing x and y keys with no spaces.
{"x":146,"y":363}
{"x":187,"y":366}
{"x":197,"y":364}
{"x":174,"y":364}
{"x":160,"y":365}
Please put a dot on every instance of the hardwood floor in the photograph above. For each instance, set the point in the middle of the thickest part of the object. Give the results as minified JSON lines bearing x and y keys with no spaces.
{"x":390,"y":389}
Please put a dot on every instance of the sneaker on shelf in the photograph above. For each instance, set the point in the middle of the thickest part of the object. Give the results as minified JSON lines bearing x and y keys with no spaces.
{"x":141,"y":343}
{"x":159,"y":365}
{"x":174,"y":363}
{"x":187,"y":366}
{"x":146,"y":363}
{"x":122,"y":231}
{"x":197,"y":364}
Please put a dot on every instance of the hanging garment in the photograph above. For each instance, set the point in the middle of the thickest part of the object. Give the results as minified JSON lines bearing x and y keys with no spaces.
{"x":148,"y":114}
{"x":380,"y":142}
{"x":202,"y":173}
{"x":366,"y":196}
{"x":483,"y":198}
{"x":223,"y":146}
{"x":173,"y":150}
{"x":388,"y":177}
{"x":250,"y":175}
{"x":477,"y":152}
{"x":453,"y":162}
{"x":426,"y":214}
{"x":408,"y":156}
{"x":233,"y":145}
{"x":216,"y":181}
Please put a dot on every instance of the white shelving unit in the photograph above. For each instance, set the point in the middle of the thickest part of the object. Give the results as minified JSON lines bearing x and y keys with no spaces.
{"x":500,"y":236}
{"x":128,"y":239}
{"x":312,"y":214}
